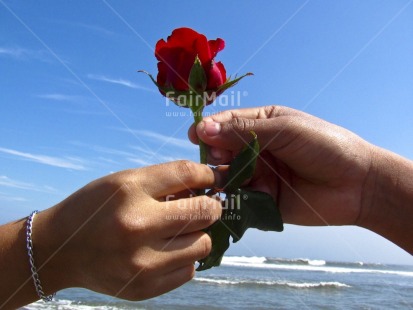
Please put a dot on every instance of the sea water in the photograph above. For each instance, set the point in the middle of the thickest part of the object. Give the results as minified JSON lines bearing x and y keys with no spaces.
{"x":269,"y":283}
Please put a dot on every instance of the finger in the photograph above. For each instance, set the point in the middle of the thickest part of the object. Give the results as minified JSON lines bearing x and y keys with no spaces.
{"x":187,"y":215}
{"x":172,"y":280}
{"x":174,"y":257}
{"x":169,"y":178}
{"x":187,"y":193}
{"x":188,"y":248}
{"x":220,"y":174}
{"x":250,"y":113}
{"x":273,"y":134}
{"x":217,"y":156}
{"x":162,"y":283}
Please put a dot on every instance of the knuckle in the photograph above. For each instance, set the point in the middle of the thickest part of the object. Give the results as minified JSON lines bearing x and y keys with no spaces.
{"x":121,"y":185}
{"x":203,"y":208}
{"x":130,"y":225}
{"x":242,"y":124}
{"x":185,"y":169}
{"x":270,"y":111}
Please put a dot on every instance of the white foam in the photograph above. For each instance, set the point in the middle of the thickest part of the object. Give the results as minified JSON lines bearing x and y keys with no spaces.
{"x":63,"y":304}
{"x":316,"y":262}
{"x":217,"y":281}
{"x":272,"y":283}
{"x":243,"y":260}
{"x":317,"y":284}
{"x":258,"y":262}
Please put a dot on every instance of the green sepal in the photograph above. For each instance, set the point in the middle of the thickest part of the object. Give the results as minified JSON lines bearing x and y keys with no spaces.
{"x":229,"y":83}
{"x":180,"y":98}
{"x":197,"y":77}
{"x":151,"y":77}
{"x":243,"y":166}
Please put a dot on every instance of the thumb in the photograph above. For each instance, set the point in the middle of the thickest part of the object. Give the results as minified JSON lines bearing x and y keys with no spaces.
{"x":228,"y":138}
{"x":231,"y":135}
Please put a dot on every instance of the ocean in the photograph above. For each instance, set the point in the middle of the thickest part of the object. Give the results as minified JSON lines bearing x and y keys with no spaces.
{"x":269,"y":283}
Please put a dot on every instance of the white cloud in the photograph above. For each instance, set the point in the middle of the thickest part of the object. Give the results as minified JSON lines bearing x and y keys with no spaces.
{"x":140,"y":161}
{"x":24,"y":54}
{"x":143,"y":156}
{"x":108,"y":160}
{"x":149,"y":153}
{"x":106,"y":150}
{"x":165,"y":140}
{"x":7,"y":182}
{"x":13,"y":52}
{"x":95,"y":28}
{"x":69,"y":163}
{"x":119,"y":81}
{"x":11,"y":198}
{"x":58,"y":97}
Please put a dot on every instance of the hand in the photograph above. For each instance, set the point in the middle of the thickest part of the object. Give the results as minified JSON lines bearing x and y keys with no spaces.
{"x":133,"y":234}
{"x":316,"y":171}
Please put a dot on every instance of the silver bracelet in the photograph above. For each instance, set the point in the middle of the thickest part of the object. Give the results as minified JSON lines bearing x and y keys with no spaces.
{"x":33,"y":268}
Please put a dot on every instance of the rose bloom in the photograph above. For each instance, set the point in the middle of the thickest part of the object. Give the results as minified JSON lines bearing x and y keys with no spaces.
{"x":177,"y":55}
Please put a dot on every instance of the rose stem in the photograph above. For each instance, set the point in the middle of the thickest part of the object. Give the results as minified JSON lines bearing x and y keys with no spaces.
{"x":197,"y":111}
{"x":202,"y":146}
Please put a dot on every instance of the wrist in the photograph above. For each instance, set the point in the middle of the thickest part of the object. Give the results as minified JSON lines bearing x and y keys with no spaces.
{"x":48,"y":253}
{"x":387,"y":198}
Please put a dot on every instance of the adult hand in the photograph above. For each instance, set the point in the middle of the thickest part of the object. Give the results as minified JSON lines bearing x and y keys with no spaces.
{"x":319,"y":173}
{"x":134,"y":234}
{"x":316,"y":171}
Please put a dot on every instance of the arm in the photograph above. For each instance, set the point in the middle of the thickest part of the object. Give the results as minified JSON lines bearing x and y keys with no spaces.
{"x":319,"y":173}
{"x":126,"y":235}
{"x":388,"y":207}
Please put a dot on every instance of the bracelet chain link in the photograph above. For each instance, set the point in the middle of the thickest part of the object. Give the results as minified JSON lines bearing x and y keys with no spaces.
{"x":35,"y":275}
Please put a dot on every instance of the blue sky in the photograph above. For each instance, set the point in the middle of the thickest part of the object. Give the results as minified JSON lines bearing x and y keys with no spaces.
{"x":73,"y":108}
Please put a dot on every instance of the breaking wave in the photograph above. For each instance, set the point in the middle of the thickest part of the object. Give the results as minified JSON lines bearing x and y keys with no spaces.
{"x":305,"y":264}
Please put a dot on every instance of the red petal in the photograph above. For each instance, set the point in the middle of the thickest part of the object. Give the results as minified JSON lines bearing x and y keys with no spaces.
{"x":182,"y":37}
{"x":176,"y":56}
{"x":201,"y":47}
{"x":215,"y":76}
{"x":216,"y":46}
{"x":221,"y":68}
{"x":162,"y":74}
{"x":161,"y":44}
{"x":180,"y":69}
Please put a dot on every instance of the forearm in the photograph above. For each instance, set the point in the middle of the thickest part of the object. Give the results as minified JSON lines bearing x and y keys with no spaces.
{"x":16,"y":284}
{"x":387,"y":207}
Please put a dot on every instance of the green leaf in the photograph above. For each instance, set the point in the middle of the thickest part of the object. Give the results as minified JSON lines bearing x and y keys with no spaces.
{"x":197,"y":77}
{"x":229,"y":83}
{"x":243,"y":166}
{"x":242,"y":208}
{"x":220,"y":243}
{"x":253,"y":210}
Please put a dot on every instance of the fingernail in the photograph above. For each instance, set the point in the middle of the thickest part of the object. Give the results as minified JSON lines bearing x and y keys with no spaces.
{"x":221,"y":175}
{"x":211,"y":128}
{"x":215,"y":153}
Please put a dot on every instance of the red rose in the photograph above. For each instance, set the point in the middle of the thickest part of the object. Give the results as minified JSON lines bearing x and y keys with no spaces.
{"x":177,"y":55}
